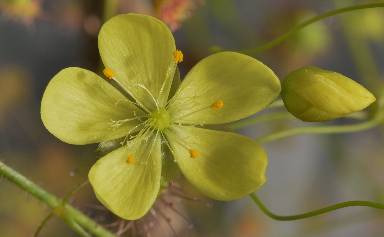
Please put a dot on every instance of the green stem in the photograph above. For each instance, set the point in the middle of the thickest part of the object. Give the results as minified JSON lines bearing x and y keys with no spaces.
{"x":52,"y":213}
{"x":320,"y":130}
{"x":78,"y":229}
{"x":313,"y":213}
{"x":359,"y":48}
{"x":65,"y":211}
{"x":278,"y":40}
{"x":282,"y":115}
{"x":42,"y":224}
{"x":110,"y":9}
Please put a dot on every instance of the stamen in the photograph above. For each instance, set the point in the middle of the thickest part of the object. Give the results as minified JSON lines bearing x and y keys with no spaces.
{"x":140,"y":135}
{"x":153,"y":143}
{"x":149,"y":93}
{"x":165,"y":139}
{"x":194,"y":153}
{"x":119,"y":123}
{"x":178,"y":56}
{"x":218,"y":104}
{"x":109,"y":73}
{"x":131,"y":159}
{"x":195,"y":108}
{"x":132,"y":130}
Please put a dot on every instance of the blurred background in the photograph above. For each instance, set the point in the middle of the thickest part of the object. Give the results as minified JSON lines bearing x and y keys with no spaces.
{"x":40,"y":37}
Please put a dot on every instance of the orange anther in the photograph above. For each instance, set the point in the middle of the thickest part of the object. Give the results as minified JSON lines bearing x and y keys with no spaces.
{"x":109,"y":73}
{"x":178,"y":56}
{"x":131,"y":159}
{"x":194,"y":153}
{"x":217,"y":104}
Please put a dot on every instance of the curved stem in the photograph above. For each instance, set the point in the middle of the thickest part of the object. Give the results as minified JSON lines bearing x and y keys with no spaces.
{"x":42,"y":224}
{"x":360,"y":50}
{"x":110,"y":9}
{"x":278,"y":40}
{"x":52,"y":213}
{"x":281,"y":115}
{"x":320,"y":130}
{"x":73,"y":217}
{"x":313,"y":213}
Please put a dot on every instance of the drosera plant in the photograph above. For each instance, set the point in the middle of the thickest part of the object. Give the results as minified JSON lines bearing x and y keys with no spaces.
{"x":147,"y":123}
{"x":135,"y":106}
{"x":146,"y":112}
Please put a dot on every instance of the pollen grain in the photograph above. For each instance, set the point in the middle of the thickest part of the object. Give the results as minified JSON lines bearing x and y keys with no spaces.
{"x":218,"y":104}
{"x":131,"y":159}
{"x":178,"y":56}
{"x":194,"y":153}
{"x":109,"y":73}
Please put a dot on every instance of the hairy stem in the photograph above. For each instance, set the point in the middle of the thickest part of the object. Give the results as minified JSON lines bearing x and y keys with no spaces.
{"x":313,"y":213}
{"x":278,"y":40}
{"x":73,"y":217}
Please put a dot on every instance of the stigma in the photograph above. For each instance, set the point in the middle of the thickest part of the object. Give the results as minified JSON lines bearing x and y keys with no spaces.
{"x":109,"y":73}
{"x":194,"y":153}
{"x":131,"y":159}
{"x":178,"y":56}
{"x":160,"y":119}
{"x":218,"y":104}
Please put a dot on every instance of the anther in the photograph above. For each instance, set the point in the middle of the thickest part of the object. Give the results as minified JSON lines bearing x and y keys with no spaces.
{"x":131,"y":159}
{"x":194,"y":153}
{"x":218,"y":104}
{"x":178,"y":56}
{"x":109,"y":73}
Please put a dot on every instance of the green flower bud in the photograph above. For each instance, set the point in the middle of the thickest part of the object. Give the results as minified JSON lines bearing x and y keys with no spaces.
{"x":313,"y":94}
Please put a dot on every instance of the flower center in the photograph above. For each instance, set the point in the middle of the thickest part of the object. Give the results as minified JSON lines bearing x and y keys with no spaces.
{"x":160,"y":119}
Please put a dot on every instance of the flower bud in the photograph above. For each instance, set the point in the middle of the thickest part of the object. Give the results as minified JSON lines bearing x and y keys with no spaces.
{"x":313,"y":94}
